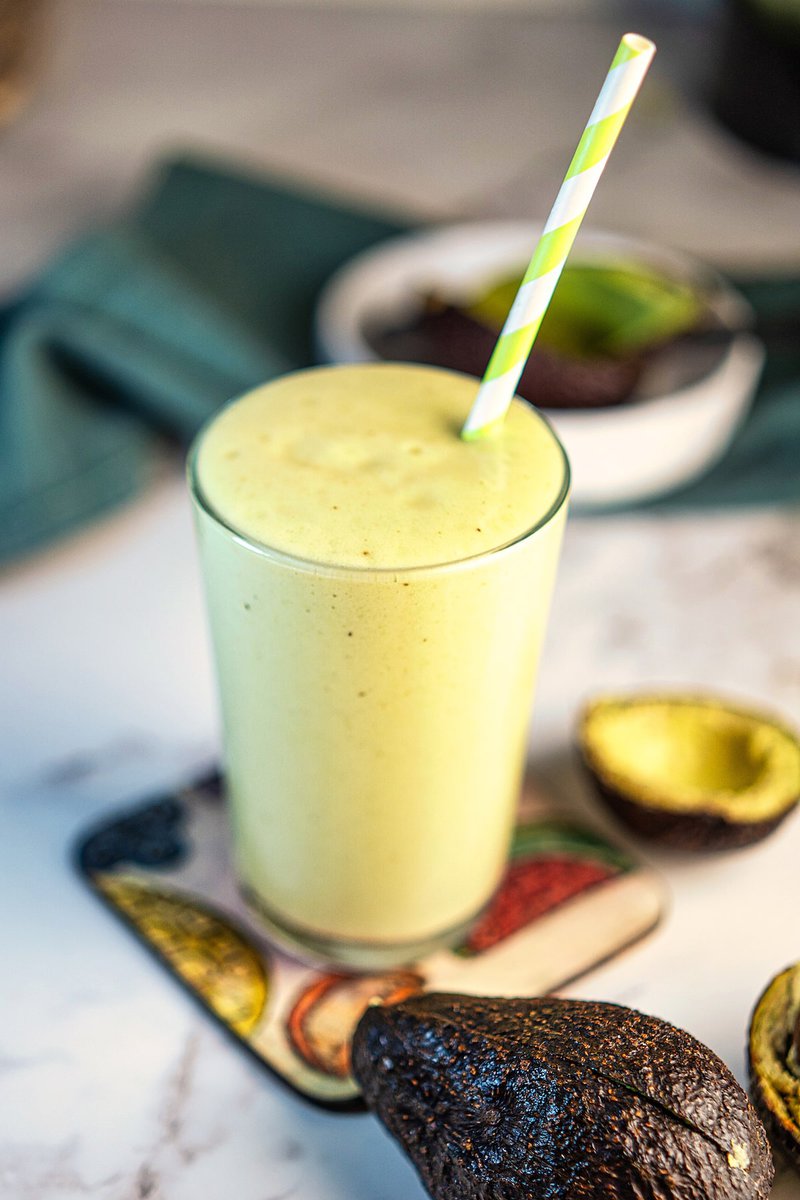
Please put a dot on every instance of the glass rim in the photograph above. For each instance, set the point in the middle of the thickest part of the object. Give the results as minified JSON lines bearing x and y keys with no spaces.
{"x":316,"y":567}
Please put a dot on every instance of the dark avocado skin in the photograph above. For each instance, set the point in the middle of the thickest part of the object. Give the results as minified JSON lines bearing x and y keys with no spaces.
{"x":696,"y":831}
{"x":542,"y":1099}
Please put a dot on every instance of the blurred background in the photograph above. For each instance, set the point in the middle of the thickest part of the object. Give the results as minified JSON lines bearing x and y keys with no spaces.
{"x":443,"y":109}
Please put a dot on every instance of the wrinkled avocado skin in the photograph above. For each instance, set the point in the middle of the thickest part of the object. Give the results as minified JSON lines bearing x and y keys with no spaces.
{"x":543,"y":1099}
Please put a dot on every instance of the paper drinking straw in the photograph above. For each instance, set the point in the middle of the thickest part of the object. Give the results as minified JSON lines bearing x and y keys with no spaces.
{"x":517,"y":336}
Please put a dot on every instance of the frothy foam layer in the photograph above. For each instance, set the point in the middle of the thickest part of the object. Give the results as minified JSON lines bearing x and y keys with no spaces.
{"x":363,"y":466}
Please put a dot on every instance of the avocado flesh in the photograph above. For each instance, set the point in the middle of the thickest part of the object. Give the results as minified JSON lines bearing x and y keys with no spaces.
{"x":612,"y":308}
{"x":692,"y":757}
{"x":521,"y":1099}
{"x":775,"y":1061}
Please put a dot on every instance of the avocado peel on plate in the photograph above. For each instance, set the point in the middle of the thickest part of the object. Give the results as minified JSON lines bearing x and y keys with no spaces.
{"x":607,"y":321}
{"x":774,"y":1061}
{"x":690,"y":772}
{"x":497,"y":1099}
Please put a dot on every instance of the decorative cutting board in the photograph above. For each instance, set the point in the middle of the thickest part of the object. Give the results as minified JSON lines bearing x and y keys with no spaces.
{"x":568,"y":900}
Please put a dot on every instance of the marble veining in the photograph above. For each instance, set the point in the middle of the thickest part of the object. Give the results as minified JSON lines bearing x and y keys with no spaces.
{"x":112,"y":1083}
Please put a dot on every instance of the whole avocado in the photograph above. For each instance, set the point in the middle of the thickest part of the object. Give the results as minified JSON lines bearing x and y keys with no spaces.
{"x":547,"y":1099}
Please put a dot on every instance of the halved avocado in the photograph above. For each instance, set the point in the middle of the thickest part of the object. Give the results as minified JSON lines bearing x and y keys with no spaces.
{"x":775,"y":1062}
{"x":549,"y":1099}
{"x":693,"y":772}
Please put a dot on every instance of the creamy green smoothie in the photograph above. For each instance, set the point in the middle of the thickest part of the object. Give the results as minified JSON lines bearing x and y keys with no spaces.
{"x":378,"y":589}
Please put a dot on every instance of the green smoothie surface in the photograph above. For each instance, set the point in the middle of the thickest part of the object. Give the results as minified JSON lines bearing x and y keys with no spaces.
{"x":363,"y":466}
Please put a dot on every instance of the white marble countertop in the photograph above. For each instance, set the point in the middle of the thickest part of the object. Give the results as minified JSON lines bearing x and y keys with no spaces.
{"x":112,"y":1083}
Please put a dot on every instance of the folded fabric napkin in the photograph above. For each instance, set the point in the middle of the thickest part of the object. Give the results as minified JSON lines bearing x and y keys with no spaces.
{"x":140,"y":331}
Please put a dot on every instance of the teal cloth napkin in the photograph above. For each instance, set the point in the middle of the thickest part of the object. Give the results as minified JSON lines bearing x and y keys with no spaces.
{"x":138,"y":332}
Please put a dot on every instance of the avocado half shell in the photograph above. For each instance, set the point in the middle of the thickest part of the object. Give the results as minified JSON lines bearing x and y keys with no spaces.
{"x":547,"y":1099}
{"x":775,"y":1062}
{"x":692,"y":772}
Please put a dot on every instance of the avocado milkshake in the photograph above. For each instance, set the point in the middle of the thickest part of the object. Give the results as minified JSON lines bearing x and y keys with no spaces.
{"x":377,"y":590}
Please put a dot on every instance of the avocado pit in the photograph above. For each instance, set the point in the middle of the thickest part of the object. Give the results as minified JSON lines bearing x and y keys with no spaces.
{"x":691,"y":772}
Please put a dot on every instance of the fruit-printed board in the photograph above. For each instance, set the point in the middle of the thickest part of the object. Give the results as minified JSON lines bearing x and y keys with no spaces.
{"x":568,"y":900}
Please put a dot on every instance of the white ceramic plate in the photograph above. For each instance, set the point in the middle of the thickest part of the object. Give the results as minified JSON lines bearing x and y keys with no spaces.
{"x":687,"y":406}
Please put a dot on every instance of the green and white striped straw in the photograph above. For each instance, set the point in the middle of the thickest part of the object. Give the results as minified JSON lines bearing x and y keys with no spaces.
{"x":507,"y":363}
